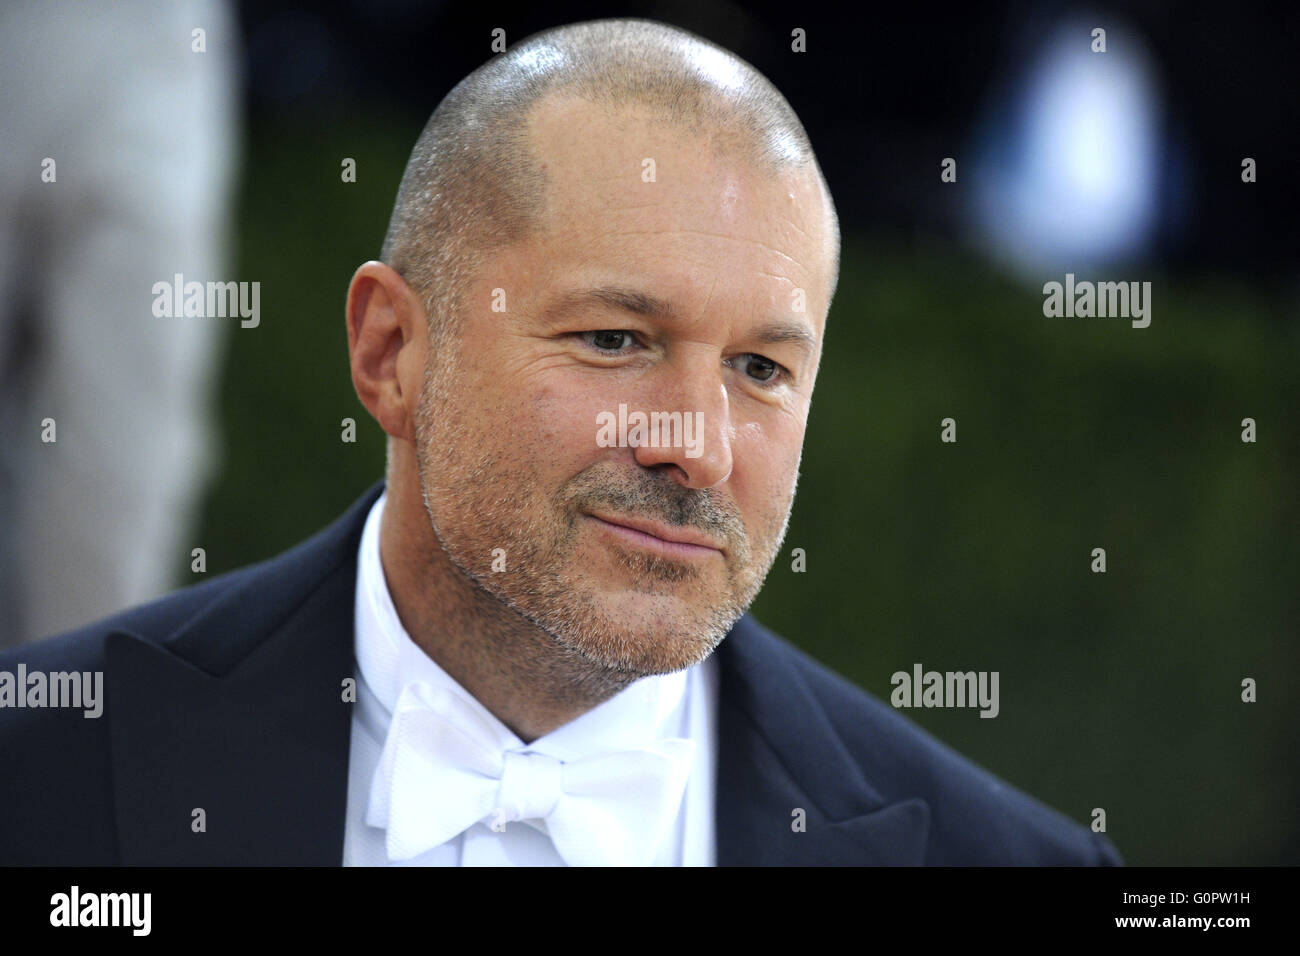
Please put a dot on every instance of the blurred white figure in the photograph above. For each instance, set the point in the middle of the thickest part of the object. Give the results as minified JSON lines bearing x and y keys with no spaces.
{"x":1068,"y":170}
{"x":143,"y":132}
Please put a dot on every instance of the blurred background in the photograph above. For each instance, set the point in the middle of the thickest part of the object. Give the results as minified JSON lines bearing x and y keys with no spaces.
{"x":1119,"y":690}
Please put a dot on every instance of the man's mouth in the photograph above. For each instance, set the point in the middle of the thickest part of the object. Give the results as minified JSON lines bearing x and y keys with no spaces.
{"x":673,"y":541}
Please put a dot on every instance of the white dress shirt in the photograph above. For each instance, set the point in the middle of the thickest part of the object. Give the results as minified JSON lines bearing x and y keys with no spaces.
{"x":681,"y":704}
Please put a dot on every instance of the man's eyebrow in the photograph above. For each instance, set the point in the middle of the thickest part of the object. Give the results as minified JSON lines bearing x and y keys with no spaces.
{"x":629,"y":300}
{"x":642,"y":303}
{"x":782,"y":333}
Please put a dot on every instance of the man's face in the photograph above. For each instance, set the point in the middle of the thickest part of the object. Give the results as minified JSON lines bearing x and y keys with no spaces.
{"x":523,"y":463}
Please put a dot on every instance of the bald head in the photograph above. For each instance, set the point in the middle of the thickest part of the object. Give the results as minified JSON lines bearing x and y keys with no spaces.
{"x":475,"y":183}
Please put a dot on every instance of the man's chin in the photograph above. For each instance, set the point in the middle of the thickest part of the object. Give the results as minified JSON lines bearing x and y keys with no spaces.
{"x":646,"y":633}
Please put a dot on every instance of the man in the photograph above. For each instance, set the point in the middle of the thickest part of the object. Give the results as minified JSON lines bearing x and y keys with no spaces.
{"x":529,"y":646}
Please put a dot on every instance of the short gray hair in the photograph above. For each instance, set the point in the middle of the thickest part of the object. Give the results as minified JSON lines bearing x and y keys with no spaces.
{"x":472,"y":184}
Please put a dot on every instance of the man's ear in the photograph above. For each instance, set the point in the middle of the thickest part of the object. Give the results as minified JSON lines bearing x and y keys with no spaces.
{"x":387,"y":338}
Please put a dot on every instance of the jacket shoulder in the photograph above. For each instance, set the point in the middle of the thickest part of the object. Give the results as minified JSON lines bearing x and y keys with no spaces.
{"x":976,"y":818}
{"x":57,"y":788}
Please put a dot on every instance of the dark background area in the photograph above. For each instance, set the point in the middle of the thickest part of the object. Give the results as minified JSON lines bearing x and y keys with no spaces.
{"x":1118,"y":690}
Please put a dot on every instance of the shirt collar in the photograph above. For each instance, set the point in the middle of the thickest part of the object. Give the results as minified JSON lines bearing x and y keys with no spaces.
{"x":647,"y":710}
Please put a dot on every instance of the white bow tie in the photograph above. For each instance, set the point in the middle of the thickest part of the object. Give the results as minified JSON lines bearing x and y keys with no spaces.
{"x":443,"y":770}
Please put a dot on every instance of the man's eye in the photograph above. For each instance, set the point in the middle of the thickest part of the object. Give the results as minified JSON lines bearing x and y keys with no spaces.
{"x":608,"y":340}
{"x":761,"y":370}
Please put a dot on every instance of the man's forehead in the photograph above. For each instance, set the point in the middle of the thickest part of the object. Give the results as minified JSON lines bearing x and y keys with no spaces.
{"x":626,"y":176}
{"x":591,"y":145}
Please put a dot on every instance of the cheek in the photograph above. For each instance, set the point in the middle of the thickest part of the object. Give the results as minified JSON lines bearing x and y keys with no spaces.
{"x":766,"y":461}
{"x":548,"y":420}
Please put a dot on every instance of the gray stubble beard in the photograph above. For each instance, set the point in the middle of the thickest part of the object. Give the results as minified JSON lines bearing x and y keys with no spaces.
{"x":537,"y":603}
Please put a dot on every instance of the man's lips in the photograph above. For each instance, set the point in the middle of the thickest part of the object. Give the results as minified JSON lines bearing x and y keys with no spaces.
{"x":669,"y":540}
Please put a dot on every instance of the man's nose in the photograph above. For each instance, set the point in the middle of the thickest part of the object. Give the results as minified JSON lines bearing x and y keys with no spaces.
{"x":693,"y":416}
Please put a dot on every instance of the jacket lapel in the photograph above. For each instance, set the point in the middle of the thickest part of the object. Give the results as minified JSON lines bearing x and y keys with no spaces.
{"x":241,"y":715}
{"x":778,"y":755}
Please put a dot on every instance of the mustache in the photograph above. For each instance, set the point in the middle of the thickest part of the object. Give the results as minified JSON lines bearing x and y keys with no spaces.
{"x":653,"y":495}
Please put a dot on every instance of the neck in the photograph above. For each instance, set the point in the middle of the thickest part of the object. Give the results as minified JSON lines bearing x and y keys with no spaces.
{"x":512,"y":667}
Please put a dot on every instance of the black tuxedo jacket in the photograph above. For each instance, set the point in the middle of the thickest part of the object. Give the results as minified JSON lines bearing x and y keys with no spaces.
{"x":227,"y":696}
